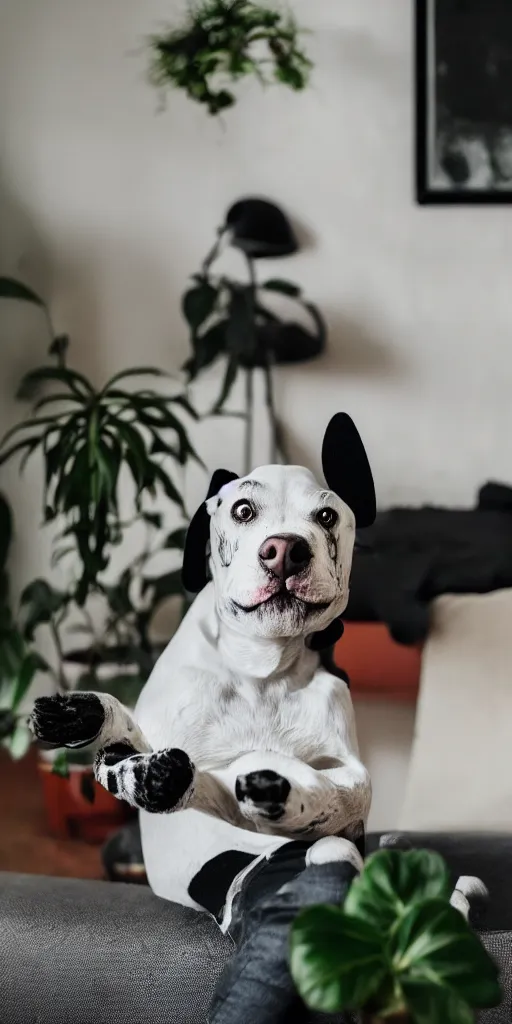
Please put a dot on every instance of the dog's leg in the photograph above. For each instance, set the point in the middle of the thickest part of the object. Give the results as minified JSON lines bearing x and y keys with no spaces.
{"x":165,"y":781}
{"x":81,"y":719}
{"x":284,"y":796}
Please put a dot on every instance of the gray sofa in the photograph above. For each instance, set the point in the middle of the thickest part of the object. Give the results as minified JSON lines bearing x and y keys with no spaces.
{"x":76,"y":952}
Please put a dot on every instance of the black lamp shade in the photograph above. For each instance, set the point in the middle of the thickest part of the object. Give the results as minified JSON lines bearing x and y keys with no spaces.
{"x":260,"y":229}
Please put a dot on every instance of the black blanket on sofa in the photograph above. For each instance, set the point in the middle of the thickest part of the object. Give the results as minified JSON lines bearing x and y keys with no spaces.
{"x":410,"y":556}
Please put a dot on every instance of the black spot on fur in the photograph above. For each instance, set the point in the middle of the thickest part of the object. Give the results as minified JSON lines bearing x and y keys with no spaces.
{"x":162,"y":779}
{"x":74,"y":720}
{"x":210,"y":886}
{"x":226,"y":548}
{"x":268,"y":790}
{"x":114,"y":753}
{"x":112,"y":783}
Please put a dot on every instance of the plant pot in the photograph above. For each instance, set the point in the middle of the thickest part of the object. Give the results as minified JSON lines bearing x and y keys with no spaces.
{"x":70,"y":812}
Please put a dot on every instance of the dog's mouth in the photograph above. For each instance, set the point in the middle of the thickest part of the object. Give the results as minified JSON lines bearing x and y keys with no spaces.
{"x":283,"y":600}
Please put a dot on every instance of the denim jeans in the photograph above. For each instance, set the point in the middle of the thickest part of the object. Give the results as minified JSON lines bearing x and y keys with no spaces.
{"x":256,"y":986}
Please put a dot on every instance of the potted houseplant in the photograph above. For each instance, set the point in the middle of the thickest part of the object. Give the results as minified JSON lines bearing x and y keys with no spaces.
{"x":397,"y":950}
{"x":90,"y":439}
{"x":223,"y":41}
{"x":238,"y":321}
{"x":18,"y":661}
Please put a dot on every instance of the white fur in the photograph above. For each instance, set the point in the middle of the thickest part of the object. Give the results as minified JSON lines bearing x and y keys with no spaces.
{"x":240,"y":691}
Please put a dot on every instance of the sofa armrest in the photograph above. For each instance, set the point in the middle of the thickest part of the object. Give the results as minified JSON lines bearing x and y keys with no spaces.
{"x":98,"y":953}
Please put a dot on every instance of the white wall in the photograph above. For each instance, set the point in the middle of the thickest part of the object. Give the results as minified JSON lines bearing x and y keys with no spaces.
{"x":108,"y":206}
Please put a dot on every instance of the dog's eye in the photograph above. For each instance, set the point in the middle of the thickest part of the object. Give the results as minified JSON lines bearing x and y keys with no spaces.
{"x":327,"y":517}
{"x":243,"y":512}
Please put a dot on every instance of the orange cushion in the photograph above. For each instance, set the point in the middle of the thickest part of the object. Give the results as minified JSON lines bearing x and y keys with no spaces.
{"x":376,"y":665}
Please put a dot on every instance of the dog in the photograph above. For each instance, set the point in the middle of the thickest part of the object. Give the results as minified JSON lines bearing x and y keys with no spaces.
{"x":241,"y":740}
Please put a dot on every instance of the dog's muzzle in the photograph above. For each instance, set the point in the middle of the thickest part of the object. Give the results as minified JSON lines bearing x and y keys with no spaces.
{"x":285,"y":555}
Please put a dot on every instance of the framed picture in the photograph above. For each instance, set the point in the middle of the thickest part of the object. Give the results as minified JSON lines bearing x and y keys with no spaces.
{"x":464,"y":101}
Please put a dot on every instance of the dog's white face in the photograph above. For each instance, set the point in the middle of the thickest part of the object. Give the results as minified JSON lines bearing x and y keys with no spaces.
{"x":281,"y":552}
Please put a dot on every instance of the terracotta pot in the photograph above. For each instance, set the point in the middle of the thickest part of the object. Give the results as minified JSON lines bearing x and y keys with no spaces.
{"x":69,"y":810}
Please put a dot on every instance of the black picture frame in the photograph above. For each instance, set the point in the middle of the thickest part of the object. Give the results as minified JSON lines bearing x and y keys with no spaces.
{"x":428,"y":191}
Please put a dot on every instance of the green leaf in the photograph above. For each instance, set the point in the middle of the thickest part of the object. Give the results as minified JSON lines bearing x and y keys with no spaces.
{"x":198,"y":304}
{"x":176,"y":540}
{"x":434,"y":942}
{"x":391,"y":880}
{"x":163,"y":587}
{"x":283,"y":287}
{"x":11,"y":289}
{"x":32,"y":663}
{"x":135,"y":371}
{"x":5,"y":530}
{"x":207,"y":348}
{"x":125,"y":686}
{"x":59,"y":347}
{"x":20,"y":741}
{"x":430,"y":1003}
{"x":183,"y":401}
{"x":337,"y":962}
{"x":76,"y":382}
{"x":168,"y":487}
{"x":60,"y":765}
{"x":40,"y":602}
{"x":7,"y":724}
{"x":227,"y":385}
{"x":153,"y":519}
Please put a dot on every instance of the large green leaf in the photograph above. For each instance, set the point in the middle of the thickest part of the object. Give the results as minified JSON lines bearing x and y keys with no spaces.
{"x":391,"y":880}
{"x":337,"y":962}
{"x":198,"y":304}
{"x":12,"y":289}
{"x":435,"y":944}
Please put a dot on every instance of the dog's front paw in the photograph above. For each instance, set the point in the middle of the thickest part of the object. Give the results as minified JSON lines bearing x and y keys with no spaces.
{"x":262,"y":795}
{"x":159,"y":782}
{"x":73,"y":720}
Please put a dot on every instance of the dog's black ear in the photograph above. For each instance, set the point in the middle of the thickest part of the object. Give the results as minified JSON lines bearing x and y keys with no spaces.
{"x":194,"y":574}
{"x":347,"y":470}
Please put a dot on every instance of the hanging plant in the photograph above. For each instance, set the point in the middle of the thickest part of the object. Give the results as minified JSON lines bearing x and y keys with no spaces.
{"x":221,"y":42}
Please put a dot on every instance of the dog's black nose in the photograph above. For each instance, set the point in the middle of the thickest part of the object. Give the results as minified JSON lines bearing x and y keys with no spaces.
{"x":285,"y":555}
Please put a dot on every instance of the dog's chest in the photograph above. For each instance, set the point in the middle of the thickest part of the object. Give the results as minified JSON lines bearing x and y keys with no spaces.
{"x":241,"y":716}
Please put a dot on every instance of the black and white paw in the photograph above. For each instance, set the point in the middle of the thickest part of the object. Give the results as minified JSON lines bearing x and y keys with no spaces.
{"x":160,"y":782}
{"x":262,"y":794}
{"x":471,"y":898}
{"x":71,"y":720}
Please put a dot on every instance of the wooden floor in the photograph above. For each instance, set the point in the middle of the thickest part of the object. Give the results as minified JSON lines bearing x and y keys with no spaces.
{"x":25,"y":844}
